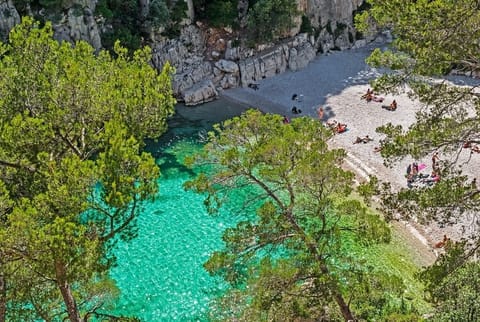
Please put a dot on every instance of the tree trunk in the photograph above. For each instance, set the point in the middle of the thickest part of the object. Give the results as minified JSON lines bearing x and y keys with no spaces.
{"x":3,"y":298}
{"x":190,"y":10}
{"x":242,"y":9}
{"x":67,"y":295}
{"x":144,"y":9}
{"x":344,"y":308}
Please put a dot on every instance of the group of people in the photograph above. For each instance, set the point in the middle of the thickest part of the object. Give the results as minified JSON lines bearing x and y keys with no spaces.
{"x":337,"y":127}
{"x":370,"y":96}
{"x":414,"y":176}
{"x":364,"y":140}
{"x":473,"y":147}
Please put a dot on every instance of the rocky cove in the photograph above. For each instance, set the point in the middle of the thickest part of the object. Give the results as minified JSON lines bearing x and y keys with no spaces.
{"x":208,"y":60}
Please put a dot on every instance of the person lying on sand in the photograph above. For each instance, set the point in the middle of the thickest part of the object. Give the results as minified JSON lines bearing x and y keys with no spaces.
{"x":364,"y":140}
{"x":332,"y":124}
{"x":392,"y":107}
{"x":472,"y":147}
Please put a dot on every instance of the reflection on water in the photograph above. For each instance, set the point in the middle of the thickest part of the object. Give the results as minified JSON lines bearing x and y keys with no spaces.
{"x":160,"y":272}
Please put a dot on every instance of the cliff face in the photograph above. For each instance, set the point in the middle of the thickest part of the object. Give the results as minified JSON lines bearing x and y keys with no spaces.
{"x":9,"y":17}
{"x":321,"y":12}
{"x":208,"y":60}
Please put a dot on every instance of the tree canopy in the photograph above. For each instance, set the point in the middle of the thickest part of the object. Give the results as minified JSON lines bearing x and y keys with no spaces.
{"x":432,"y":38}
{"x":291,"y":256}
{"x":73,"y":176}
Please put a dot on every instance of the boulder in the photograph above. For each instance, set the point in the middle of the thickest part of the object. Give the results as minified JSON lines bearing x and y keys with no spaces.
{"x":200,"y":93}
{"x":227,"y":66}
{"x":190,"y":76}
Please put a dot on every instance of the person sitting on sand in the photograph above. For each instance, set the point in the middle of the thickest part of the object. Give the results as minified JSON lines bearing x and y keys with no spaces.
{"x":412,"y":173}
{"x":377,"y":149}
{"x":442,"y":243}
{"x":364,"y":140}
{"x":340,"y":128}
{"x":369,"y":93}
{"x":296,"y":110}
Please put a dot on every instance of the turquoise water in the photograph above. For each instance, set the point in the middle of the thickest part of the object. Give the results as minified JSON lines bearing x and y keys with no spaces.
{"x":160,"y":273}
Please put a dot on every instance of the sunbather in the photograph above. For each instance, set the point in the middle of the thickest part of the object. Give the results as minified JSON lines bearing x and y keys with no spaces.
{"x":364,"y":140}
{"x":369,"y":93}
{"x":392,"y":107}
{"x":340,"y":128}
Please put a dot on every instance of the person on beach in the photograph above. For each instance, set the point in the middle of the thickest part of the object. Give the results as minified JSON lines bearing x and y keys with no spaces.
{"x":296,"y":110}
{"x":363,"y":140}
{"x":412,"y":173}
{"x":320,"y":113}
{"x":332,"y":124}
{"x":340,"y":128}
{"x":392,"y":107}
{"x":472,"y":147}
{"x":368,"y":94}
{"x":434,"y":178}
{"x":435,"y":159}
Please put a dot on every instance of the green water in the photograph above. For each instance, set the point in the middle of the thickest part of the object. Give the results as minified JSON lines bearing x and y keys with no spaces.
{"x":160,"y":272}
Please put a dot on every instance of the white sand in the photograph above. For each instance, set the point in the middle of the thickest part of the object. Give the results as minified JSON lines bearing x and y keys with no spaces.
{"x":336,"y":82}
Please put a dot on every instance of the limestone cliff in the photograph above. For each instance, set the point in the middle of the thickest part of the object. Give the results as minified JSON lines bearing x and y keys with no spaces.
{"x":207,"y":58}
{"x":9,"y":17}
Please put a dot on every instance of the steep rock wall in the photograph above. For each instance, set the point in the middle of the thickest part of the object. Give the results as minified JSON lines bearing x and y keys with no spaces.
{"x":225,"y":67}
{"x":9,"y":17}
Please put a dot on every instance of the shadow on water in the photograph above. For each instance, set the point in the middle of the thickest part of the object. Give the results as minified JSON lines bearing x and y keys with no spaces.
{"x":189,"y":124}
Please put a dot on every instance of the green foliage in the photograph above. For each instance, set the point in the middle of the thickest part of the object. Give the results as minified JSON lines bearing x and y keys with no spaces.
{"x":221,"y":13}
{"x":453,"y":284}
{"x":159,"y":14}
{"x":294,"y":258}
{"x":103,"y":10}
{"x":72,"y":175}
{"x":306,"y":26}
{"x":431,"y":38}
{"x":270,"y":19}
{"x":51,"y":3}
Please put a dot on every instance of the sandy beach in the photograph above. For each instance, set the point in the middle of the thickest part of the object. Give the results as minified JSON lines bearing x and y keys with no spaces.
{"x":336,"y":81}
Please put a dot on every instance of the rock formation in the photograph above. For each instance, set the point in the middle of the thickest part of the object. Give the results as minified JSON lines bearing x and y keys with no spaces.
{"x":9,"y":17}
{"x":205,"y":60}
